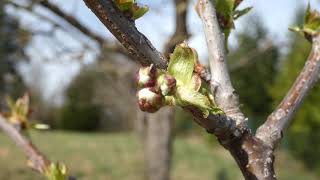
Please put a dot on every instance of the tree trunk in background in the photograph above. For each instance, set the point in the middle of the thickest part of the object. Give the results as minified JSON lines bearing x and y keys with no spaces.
{"x":156,"y":129}
{"x":158,"y":138}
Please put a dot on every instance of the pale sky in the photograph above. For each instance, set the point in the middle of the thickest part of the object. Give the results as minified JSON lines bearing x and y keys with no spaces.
{"x":157,"y":25}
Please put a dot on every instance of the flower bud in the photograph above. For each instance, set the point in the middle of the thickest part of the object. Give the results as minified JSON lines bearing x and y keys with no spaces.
{"x":150,"y":100}
{"x":146,"y":76}
{"x":167,"y":84}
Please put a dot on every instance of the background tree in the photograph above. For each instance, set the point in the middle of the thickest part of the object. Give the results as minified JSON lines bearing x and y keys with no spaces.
{"x":258,"y":55}
{"x":13,"y":39}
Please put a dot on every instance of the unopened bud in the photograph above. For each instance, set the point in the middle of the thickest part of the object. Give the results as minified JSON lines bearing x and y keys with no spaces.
{"x":146,"y":76}
{"x":167,"y":84}
{"x":150,"y":100}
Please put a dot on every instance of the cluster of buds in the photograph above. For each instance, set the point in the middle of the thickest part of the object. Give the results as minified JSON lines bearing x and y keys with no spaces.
{"x":154,"y":85}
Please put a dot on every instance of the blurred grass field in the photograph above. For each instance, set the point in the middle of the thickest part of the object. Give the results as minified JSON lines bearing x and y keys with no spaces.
{"x":120,"y":157}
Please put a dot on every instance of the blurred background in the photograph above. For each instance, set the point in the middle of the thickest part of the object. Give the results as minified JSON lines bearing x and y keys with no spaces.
{"x":81,"y":83}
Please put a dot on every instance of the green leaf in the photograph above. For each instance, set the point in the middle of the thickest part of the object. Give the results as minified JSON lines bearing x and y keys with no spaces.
{"x":311,"y":26}
{"x":227,"y":14}
{"x":239,"y":13}
{"x":139,"y":11}
{"x":182,"y":63}
{"x":186,"y":97}
{"x":56,"y":171}
{"x":124,"y":5}
{"x":225,"y":8}
{"x":312,"y":21}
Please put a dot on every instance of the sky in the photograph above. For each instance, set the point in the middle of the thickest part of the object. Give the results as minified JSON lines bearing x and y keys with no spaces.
{"x":157,"y":25}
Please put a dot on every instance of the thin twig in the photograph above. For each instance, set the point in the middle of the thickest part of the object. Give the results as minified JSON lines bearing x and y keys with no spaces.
{"x":271,"y":131}
{"x":123,"y":28}
{"x":36,"y":160}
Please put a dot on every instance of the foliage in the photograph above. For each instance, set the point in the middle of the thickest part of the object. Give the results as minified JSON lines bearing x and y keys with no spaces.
{"x":311,"y":25}
{"x":227,"y":13}
{"x":56,"y":172}
{"x":131,"y":8}
{"x":78,"y":111}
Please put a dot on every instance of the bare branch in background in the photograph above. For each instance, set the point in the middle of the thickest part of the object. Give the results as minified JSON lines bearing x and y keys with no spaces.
{"x":181,"y":31}
{"x":271,"y":131}
{"x":36,"y":160}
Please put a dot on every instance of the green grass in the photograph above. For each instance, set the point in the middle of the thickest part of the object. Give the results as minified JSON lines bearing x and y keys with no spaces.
{"x":120,"y":157}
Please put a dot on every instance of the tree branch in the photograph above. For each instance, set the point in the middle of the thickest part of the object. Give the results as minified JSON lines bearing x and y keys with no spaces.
{"x":36,"y":160}
{"x":271,"y":131}
{"x":124,"y":30}
{"x":71,"y":20}
{"x":224,"y":93}
{"x":75,"y":23}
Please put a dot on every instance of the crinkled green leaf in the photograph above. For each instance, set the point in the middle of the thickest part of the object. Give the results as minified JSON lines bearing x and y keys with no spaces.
{"x":182,"y":63}
{"x":57,"y":171}
{"x":139,"y":11}
{"x":195,"y":82}
{"x":239,"y":13}
{"x":186,"y":96}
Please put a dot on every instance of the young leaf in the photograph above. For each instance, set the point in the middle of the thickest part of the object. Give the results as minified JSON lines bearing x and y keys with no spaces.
{"x":186,"y":97}
{"x":182,"y":63}
{"x":227,"y":14}
{"x":124,"y":5}
{"x":138,"y":11}
{"x":56,"y":171}
{"x":239,"y":13}
{"x":311,"y":26}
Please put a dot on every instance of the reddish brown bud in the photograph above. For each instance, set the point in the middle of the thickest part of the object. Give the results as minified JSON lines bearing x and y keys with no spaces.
{"x":146,"y":76}
{"x":150,"y":99}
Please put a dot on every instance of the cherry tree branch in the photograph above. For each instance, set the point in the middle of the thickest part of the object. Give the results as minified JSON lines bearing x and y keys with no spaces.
{"x":224,"y":93}
{"x":271,"y":131}
{"x":123,"y":28}
{"x":36,"y":160}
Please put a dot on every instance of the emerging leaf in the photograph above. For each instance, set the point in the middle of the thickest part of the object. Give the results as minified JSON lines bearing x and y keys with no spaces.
{"x":138,"y":11}
{"x":19,"y":111}
{"x":239,"y":13}
{"x":227,"y":14}
{"x":124,"y":5}
{"x":56,"y":171}
{"x":311,"y":26}
{"x":182,"y":63}
{"x":187,"y":97}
